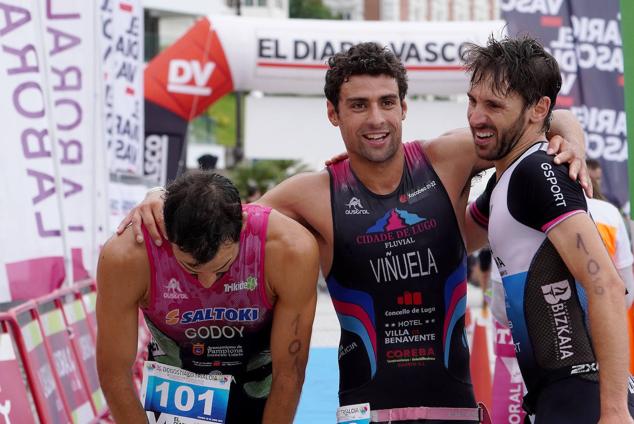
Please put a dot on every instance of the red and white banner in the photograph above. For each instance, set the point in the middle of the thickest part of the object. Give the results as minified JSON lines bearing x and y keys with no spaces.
{"x":508,"y":385}
{"x":223,"y":54}
{"x":122,"y":61}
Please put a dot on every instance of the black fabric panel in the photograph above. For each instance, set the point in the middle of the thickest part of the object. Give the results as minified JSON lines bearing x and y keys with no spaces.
{"x":541,"y":191}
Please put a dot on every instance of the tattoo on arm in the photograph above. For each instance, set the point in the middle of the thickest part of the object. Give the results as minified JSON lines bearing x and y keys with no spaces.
{"x":295,"y":346}
{"x":592,"y":266}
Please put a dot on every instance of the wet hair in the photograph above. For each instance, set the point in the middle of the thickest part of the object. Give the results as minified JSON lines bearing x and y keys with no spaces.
{"x":519,"y":65}
{"x":363,"y":59}
{"x":202,"y":212}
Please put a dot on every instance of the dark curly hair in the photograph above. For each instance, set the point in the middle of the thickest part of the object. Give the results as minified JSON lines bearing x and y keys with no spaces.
{"x":202,"y":212}
{"x":363,"y":59}
{"x":519,"y":65}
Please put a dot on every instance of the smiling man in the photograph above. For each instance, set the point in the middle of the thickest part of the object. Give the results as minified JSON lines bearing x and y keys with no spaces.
{"x":564,"y":298}
{"x":233,"y":292}
{"x":390,"y":224}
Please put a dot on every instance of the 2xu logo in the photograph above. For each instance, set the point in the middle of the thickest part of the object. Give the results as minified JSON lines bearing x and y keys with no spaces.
{"x":585,"y":368}
{"x":189,"y":77}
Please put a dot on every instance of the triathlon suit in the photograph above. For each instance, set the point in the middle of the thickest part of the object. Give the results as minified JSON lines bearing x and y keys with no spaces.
{"x":224,"y":329}
{"x":398,"y":285}
{"x":545,"y":305}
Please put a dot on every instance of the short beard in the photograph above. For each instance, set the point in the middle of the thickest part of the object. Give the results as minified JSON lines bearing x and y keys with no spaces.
{"x":511,"y":138}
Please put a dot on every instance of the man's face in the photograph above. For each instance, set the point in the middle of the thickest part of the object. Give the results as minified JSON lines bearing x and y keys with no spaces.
{"x":209,"y":272}
{"x":497,"y":122}
{"x":369,"y":117}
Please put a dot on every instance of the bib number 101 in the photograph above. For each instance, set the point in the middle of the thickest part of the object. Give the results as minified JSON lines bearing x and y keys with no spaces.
{"x":184,"y":398}
{"x":180,"y":396}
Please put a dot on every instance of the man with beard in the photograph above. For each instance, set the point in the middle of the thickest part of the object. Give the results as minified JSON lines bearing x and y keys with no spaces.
{"x":390,"y":223}
{"x":564,"y":297}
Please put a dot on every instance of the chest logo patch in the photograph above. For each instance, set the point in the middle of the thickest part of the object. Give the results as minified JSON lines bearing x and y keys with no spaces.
{"x":354,"y":207}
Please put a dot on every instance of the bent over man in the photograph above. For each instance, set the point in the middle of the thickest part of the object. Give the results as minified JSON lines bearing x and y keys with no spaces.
{"x":233,"y":291}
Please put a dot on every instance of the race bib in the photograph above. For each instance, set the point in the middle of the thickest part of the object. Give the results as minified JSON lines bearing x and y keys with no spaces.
{"x":354,"y":414}
{"x":171,"y":395}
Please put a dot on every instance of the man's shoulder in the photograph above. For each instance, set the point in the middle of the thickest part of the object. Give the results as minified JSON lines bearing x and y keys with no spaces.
{"x":288,"y":238}
{"x":122,"y":252}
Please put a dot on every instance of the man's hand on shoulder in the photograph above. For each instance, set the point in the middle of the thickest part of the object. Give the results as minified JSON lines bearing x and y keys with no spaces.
{"x":149,"y":213}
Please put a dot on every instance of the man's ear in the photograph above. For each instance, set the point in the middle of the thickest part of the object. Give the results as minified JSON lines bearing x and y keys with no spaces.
{"x":404,"y":107}
{"x":540,"y":109}
{"x":333,"y":116}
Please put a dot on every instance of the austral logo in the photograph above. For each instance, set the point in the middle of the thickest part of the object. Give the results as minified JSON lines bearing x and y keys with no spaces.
{"x":249,"y":284}
{"x":189,"y":77}
{"x":173,"y":290}
{"x":354,"y":207}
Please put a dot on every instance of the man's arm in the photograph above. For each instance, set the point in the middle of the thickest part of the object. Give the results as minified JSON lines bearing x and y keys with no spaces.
{"x":292,"y":268}
{"x":580,"y":246}
{"x":117,"y":317}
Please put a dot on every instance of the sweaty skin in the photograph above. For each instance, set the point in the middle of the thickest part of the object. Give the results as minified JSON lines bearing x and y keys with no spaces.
{"x":291,"y":268}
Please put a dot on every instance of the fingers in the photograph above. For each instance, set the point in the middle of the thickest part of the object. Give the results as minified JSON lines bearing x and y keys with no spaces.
{"x":123,"y":224}
{"x":136,"y":224}
{"x":336,"y":158}
{"x":585,"y":181}
{"x":148,"y":219}
{"x":157,"y":213}
{"x":554,"y":144}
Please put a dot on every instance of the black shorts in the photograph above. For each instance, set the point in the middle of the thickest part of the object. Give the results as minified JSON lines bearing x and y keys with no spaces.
{"x":571,"y":400}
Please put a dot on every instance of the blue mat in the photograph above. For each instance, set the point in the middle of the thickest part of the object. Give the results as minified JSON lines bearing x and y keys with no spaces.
{"x":318,"y":404}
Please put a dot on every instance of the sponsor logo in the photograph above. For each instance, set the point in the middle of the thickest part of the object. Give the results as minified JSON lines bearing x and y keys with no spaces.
{"x":630,"y":385}
{"x":189,"y":77}
{"x":355,"y":207}
{"x":155,"y":349}
{"x":415,"y":353}
{"x":173,"y":290}
{"x":555,"y":190}
{"x":174,"y":317}
{"x":407,"y":336}
{"x":249,"y":284}
{"x":414,"y":196}
{"x":233,"y":351}
{"x":556,"y":294}
{"x":215,"y":332}
{"x":344,"y":350}
{"x":410,"y":298}
{"x":198,"y":349}
{"x":584,"y":368}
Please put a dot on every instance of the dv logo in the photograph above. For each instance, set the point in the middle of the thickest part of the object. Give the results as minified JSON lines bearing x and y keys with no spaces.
{"x":189,"y":77}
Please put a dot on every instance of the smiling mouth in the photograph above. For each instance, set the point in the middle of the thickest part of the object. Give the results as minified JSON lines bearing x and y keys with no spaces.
{"x":482,"y":137}
{"x":376,"y":138}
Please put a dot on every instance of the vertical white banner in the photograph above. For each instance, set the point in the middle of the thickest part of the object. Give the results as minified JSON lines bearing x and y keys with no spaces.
{"x":68,"y":35}
{"x":31,"y":249}
{"x":125,"y":78}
